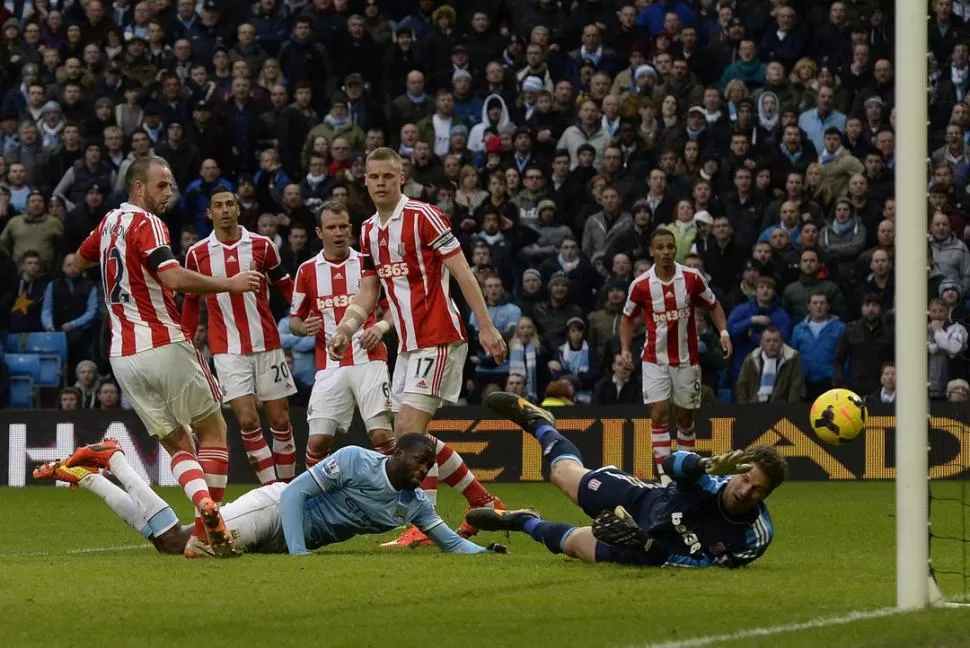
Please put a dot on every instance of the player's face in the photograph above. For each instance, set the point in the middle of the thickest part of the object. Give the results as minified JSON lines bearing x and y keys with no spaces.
{"x":744,"y":492}
{"x":334,"y":232}
{"x":664,"y":251}
{"x":224,"y":210}
{"x":158,"y":188}
{"x":384,"y":179}
{"x":411,"y":468}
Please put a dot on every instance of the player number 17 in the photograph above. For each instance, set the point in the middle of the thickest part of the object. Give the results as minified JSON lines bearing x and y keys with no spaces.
{"x":420,"y":372}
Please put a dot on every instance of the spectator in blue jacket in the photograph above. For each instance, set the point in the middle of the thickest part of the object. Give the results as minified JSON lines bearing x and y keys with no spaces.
{"x":505,"y":315}
{"x":652,"y":18}
{"x":748,"y":320}
{"x":195,"y":200}
{"x":816,"y":338}
{"x":303,"y":350}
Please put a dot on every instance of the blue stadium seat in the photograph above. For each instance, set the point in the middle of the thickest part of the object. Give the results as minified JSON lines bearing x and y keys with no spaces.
{"x":21,"y":392}
{"x":24,"y":364}
{"x":13,"y":343}
{"x":51,"y":370}
{"x":55,"y":343}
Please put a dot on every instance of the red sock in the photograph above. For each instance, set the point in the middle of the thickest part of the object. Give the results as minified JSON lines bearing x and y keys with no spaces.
{"x":430,"y":485}
{"x":686,"y":438}
{"x":188,"y":473}
{"x":284,"y":454}
{"x":215,"y":463}
{"x":660,"y":440}
{"x":453,"y":471}
{"x":259,"y":455}
{"x":312,"y":458}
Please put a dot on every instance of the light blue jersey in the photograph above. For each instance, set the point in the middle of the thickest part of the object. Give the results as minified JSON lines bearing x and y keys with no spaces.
{"x":349,"y":494}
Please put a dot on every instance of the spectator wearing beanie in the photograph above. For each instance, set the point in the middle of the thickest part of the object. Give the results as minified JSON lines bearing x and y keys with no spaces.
{"x":583,"y":278}
{"x":551,"y":234}
{"x":576,"y":361}
{"x":552,"y":315}
{"x":532,"y":293}
{"x":864,"y":346}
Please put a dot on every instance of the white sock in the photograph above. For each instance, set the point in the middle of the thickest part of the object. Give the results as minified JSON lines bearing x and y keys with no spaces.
{"x":156,"y":511}
{"x":117,"y":500}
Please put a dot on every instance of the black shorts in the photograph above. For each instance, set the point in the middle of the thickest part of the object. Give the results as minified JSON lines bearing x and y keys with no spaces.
{"x":608,"y":487}
{"x":605,"y":489}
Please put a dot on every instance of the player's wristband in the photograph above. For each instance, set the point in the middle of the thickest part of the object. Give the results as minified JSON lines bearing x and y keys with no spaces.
{"x":725,"y":334}
{"x":383,"y":326}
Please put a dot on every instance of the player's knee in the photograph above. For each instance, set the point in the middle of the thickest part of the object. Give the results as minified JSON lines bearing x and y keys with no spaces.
{"x":248,"y":420}
{"x":278,"y":414}
{"x":660,"y":412}
{"x":211,"y":429}
{"x":416,"y":411}
{"x":581,"y":544}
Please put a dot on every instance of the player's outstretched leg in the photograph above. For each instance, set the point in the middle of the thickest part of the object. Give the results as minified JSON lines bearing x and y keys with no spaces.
{"x":109,"y":455}
{"x":551,"y":534}
{"x":565,"y":460}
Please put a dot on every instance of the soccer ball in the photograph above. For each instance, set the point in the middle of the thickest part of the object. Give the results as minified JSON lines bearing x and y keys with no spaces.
{"x":838,"y":416}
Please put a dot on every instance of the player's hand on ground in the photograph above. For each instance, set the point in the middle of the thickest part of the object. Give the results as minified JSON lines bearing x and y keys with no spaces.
{"x":735,"y":462}
{"x":370,"y":338}
{"x":498,"y":547}
{"x":312,"y":325}
{"x":491,"y":340}
{"x":248,"y":281}
{"x":337,"y":346}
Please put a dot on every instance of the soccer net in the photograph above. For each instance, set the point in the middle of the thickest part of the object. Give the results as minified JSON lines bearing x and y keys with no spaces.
{"x":949,"y":528}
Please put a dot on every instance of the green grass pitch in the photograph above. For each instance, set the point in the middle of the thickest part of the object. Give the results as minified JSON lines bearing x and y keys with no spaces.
{"x":73,"y":574}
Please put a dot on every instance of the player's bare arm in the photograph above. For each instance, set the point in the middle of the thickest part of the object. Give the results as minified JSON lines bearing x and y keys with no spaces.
{"x":305,"y":327}
{"x":178,"y":279}
{"x":373,"y":335}
{"x":357,"y":312}
{"x":489,"y":336}
{"x":626,"y":339}
{"x":720,"y":321}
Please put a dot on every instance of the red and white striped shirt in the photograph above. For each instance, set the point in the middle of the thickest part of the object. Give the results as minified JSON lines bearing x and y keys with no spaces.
{"x":408,"y":252}
{"x":141,"y":310}
{"x":326,"y":288}
{"x":239,"y":323}
{"x":669,"y":314}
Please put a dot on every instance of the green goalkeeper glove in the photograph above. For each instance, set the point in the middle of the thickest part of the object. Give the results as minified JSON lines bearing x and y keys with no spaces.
{"x":734,"y":462}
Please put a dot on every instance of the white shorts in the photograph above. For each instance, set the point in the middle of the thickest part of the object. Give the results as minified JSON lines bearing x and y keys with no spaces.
{"x":436,"y":372}
{"x":168,"y":387}
{"x":338,"y":391}
{"x":254,"y":520}
{"x":680,"y":385}
{"x":263,"y":374}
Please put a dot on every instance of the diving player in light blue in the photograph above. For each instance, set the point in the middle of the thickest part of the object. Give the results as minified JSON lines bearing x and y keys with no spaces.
{"x":352,"y":492}
{"x":357,"y":491}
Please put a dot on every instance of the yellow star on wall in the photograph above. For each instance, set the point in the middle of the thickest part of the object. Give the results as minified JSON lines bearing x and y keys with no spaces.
{"x":22,"y":304}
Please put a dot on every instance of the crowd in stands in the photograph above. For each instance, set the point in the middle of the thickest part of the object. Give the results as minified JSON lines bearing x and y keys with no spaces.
{"x":555,"y":134}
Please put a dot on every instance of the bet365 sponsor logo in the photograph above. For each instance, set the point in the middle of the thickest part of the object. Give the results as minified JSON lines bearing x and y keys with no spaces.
{"x":392,"y":270}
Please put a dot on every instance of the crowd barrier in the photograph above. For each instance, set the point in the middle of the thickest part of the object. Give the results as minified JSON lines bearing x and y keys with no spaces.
{"x":497,"y":450}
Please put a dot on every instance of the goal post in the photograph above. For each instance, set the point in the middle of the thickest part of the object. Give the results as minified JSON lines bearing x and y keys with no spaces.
{"x":912,"y":407}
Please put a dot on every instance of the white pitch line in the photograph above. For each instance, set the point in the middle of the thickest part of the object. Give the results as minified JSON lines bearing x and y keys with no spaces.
{"x":74,"y":552}
{"x":767,"y":631}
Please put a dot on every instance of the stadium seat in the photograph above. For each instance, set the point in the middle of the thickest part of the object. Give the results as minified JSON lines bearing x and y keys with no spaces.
{"x":21,"y":392}
{"x":54,"y":342}
{"x":724,"y":395}
{"x":24,"y":364}
{"x":14,"y":343}
{"x":51,"y":370}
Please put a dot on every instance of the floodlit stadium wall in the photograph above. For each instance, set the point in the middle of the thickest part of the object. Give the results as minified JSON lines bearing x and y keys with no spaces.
{"x":498,"y":451}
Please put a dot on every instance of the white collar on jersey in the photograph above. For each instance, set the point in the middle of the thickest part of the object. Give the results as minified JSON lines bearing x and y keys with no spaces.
{"x":321,"y":259}
{"x":215,"y":242}
{"x":678,"y":272}
{"x":129,"y":207}
{"x":398,"y":211}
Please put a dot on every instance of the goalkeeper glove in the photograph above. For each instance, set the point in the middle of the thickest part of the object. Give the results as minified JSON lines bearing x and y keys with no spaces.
{"x":498,"y":548}
{"x":617,"y":528}
{"x":734,"y":462}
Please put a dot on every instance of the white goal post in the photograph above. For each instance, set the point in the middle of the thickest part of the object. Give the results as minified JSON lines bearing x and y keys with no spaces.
{"x":913,"y":584}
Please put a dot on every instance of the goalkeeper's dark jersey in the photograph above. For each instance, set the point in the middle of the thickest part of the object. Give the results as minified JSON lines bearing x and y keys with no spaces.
{"x":685,"y":518}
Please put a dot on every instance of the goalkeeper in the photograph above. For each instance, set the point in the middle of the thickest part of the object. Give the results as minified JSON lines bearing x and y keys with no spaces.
{"x":711,"y":514}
